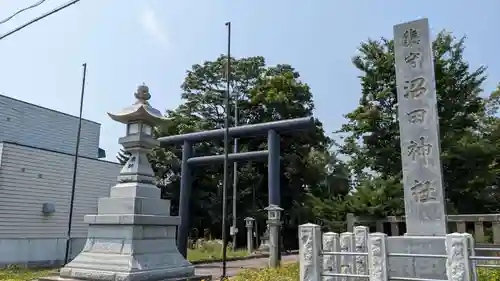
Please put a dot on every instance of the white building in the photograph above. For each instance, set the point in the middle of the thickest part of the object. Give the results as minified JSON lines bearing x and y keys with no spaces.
{"x":37,"y":147}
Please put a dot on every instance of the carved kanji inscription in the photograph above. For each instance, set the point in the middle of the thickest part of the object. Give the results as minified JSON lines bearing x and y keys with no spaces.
{"x":413,"y":59}
{"x":411,"y":37}
{"x":423,"y":191}
{"x":419,"y":149}
{"x":416,"y":116}
{"x":415,"y":88}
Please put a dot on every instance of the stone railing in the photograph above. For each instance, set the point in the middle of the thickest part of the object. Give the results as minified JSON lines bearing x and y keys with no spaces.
{"x":477,"y":225}
{"x":360,"y":255}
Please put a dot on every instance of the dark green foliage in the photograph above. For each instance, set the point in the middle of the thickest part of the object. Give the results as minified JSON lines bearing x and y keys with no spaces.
{"x":467,"y":130}
{"x":316,"y":186}
{"x":264,"y":94}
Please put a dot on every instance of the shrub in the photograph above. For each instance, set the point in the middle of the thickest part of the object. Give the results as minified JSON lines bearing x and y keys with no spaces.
{"x":16,"y":273}
{"x":288,"y":272}
{"x":212,"y":249}
{"x":488,"y":274}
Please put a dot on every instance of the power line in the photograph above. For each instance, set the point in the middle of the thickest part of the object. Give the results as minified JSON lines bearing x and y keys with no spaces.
{"x":38,"y":18}
{"x":22,"y":10}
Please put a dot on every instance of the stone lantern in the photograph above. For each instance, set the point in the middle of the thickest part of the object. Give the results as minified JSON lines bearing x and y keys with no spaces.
{"x":273,"y":224}
{"x":249,"y":222}
{"x":273,"y":212}
{"x":132,"y":237}
{"x":249,"y":225}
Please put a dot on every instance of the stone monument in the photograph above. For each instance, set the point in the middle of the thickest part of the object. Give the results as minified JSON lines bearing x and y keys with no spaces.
{"x":264,"y":241}
{"x":132,"y":237}
{"x":420,"y":154}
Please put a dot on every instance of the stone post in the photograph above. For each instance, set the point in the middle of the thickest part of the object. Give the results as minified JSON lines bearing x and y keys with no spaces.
{"x":377,"y":257}
{"x":361,"y":245}
{"x":331,"y":263}
{"x":132,"y":237}
{"x":274,"y":223}
{"x":249,"y":225}
{"x":310,"y":252}
{"x":347,"y":264}
{"x":458,"y":264}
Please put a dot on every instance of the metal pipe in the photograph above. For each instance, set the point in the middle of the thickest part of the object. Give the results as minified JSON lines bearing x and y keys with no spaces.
{"x":344,"y":254}
{"x":417,"y":255}
{"x":75,"y":166}
{"x":488,"y":249}
{"x":331,"y":274}
{"x":185,"y":190}
{"x":283,"y":126}
{"x":414,"y":279}
{"x":232,"y":158}
{"x":488,"y":265}
{"x":481,"y":258}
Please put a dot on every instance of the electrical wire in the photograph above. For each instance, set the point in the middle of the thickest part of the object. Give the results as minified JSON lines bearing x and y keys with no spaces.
{"x":58,"y":9}
{"x":22,"y":10}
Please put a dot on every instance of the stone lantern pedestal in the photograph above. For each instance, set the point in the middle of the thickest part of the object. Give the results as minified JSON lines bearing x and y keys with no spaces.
{"x":132,"y":237}
{"x":249,"y":225}
{"x":274,"y":223}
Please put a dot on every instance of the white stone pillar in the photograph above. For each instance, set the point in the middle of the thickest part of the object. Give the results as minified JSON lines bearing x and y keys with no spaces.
{"x":361,"y":245}
{"x":331,"y":263}
{"x":310,"y":252}
{"x":458,"y":265}
{"x":377,"y":257}
{"x":347,"y":265}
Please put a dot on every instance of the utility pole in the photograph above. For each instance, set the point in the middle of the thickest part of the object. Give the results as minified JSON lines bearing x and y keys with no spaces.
{"x":38,"y":18}
{"x":226,"y":155}
{"x":75,"y":167}
{"x":235,"y":173}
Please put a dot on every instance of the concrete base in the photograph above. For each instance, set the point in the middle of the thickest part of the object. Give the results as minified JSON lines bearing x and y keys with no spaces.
{"x":192,"y":278}
{"x":129,"y":253}
{"x":417,"y":267}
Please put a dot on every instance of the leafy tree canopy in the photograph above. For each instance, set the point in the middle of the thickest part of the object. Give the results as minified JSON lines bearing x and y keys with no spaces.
{"x":265,"y":93}
{"x":468,"y":129}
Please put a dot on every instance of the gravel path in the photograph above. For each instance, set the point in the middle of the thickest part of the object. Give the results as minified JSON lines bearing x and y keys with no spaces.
{"x":233,"y":267}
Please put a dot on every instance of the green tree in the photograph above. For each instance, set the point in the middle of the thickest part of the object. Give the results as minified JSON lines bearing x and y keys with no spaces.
{"x":372,"y":130}
{"x":265,"y":93}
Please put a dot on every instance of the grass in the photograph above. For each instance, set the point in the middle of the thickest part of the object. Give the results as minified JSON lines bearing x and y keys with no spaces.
{"x":201,"y":255}
{"x":208,"y":251}
{"x":13,"y":273}
{"x":290,"y":272}
{"x":488,"y":274}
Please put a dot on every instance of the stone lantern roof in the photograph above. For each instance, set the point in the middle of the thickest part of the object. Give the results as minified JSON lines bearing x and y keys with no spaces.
{"x":141,"y":110}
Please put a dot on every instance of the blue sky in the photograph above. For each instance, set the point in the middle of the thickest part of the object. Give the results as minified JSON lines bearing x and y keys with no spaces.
{"x":127,"y":42}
